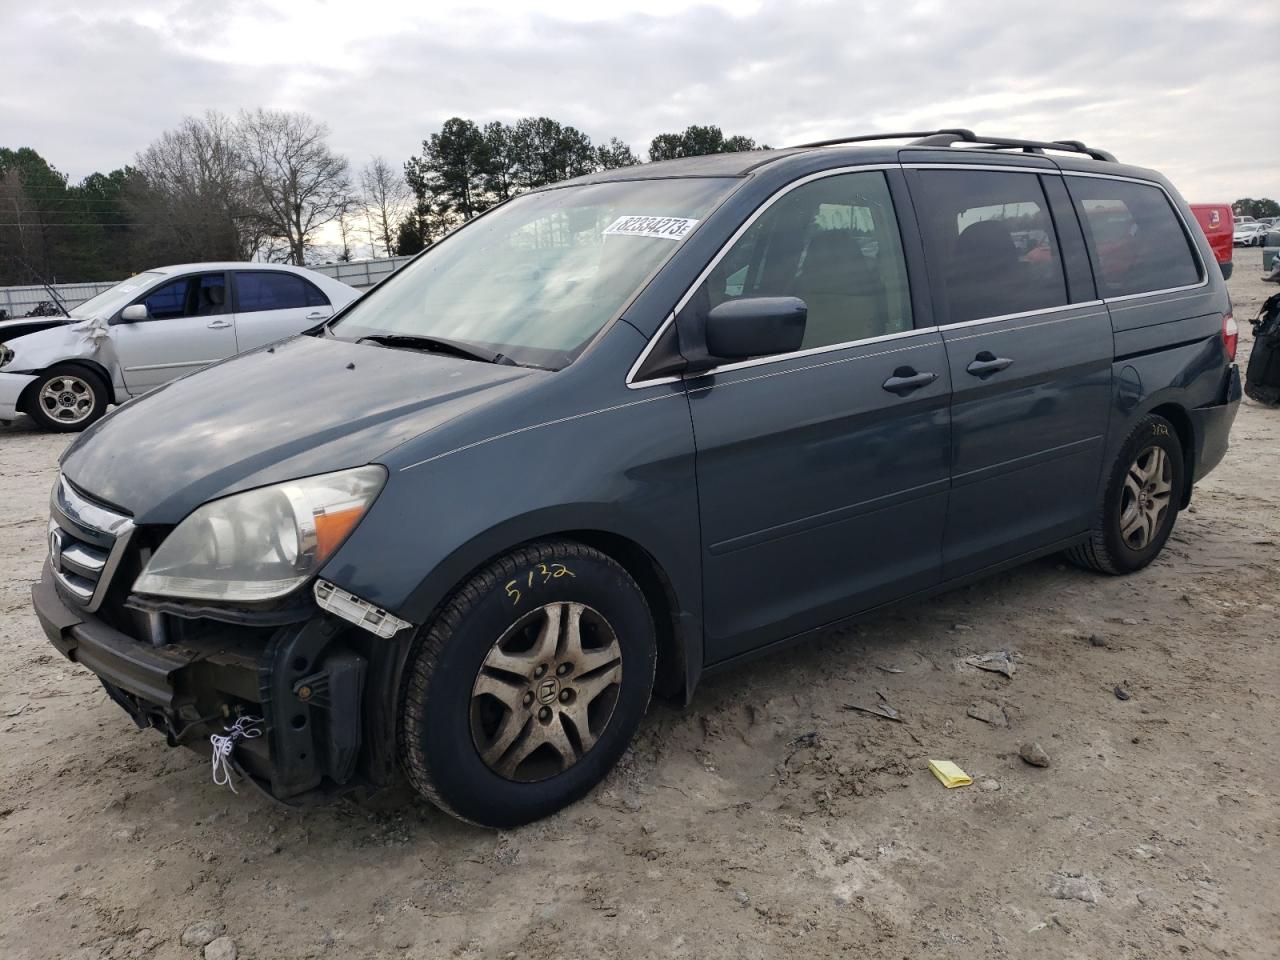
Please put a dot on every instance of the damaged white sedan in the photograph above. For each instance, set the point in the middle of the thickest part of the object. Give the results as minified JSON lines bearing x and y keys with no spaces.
{"x":151,"y":328}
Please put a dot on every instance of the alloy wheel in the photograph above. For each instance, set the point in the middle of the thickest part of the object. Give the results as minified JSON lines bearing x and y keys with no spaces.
{"x":545,"y":692}
{"x":1144,"y":502}
{"x":67,"y":399}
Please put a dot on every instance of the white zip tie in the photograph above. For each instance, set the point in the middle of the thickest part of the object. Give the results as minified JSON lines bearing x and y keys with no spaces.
{"x":242,"y":729}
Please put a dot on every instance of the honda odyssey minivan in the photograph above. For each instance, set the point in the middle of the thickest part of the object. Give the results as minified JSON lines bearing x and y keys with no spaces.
{"x":629,"y":429}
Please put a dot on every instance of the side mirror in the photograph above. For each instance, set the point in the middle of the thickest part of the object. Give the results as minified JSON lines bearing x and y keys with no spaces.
{"x":756,"y":327}
{"x":134,"y":312}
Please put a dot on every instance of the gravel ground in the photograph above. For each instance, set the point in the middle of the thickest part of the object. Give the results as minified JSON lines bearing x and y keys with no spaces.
{"x":767,"y":818}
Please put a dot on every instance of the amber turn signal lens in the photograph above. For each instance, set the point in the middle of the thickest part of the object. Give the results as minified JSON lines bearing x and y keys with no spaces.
{"x":332,"y":528}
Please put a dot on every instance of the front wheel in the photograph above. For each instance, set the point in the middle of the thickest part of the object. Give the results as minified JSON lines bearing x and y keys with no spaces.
{"x":67,"y":398}
{"x":1140,"y":504}
{"x":527,"y":687}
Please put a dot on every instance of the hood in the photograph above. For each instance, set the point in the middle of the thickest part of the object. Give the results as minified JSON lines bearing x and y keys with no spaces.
{"x":21,"y":326}
{"x":303,"y":407}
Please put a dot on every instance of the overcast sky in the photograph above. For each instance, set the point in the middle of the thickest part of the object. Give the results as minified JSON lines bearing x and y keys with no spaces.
{"x":1189,"y":86}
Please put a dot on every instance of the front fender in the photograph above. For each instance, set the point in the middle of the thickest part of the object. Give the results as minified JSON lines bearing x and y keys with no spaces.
{"x":624,"y":471}
{"x":11,"y":387}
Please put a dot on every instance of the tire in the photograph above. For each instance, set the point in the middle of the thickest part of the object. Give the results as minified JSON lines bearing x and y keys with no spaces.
{"x":67,"y":398}
{"x":1126,"y":536}
{"x":472,"y":681}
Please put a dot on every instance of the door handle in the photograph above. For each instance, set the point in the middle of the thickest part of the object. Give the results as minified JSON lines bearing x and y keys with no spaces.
{"x":219,"y":324}
{"x":905,"y":379}
{"x":316,"y":315}
{"x":986,"y":364}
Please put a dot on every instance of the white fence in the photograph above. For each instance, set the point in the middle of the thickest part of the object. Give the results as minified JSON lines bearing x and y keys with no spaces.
{"x":22,"y":301}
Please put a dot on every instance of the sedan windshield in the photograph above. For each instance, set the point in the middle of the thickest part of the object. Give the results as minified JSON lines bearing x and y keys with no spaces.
{"x":533,"y":281}
{"x":113,"y":298}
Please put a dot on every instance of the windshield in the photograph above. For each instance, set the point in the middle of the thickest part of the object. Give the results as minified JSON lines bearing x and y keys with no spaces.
{"x":537,"y":278}
{"x":112,"y":299}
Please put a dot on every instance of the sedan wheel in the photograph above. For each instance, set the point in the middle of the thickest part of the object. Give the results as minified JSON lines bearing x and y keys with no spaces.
{"x":67,"y":398}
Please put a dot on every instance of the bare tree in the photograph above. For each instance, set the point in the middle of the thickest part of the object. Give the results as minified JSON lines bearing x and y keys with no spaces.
{"x":191,"y":185}
{"x":385,"y":196}
{"x":297,"y":181}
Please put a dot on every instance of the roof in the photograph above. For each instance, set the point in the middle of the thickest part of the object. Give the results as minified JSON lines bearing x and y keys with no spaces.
{"x":875,"y":147}
{"x":229,"y":265}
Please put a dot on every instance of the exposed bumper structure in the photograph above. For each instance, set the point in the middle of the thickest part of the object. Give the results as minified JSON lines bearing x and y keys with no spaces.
{"x":306,"y":680}
{"x":11,"y":387}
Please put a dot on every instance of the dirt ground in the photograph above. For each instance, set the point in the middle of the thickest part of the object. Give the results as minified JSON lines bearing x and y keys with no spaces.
{"x":767,"y":819}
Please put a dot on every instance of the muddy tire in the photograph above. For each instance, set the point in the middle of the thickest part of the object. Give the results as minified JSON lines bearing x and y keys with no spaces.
{"x":528,"y":686}
{"x":1140,"y":504}
{"x":67,"y":398}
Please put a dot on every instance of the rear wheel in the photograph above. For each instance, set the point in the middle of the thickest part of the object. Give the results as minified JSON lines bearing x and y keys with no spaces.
{"x":528,"y":686}
{"x":1140,"y":504}
{"x":67,"y":398}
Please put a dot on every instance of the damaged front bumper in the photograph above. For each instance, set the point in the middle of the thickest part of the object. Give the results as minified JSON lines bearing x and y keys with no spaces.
{"x":324,"y":691}
{"x":11,"y":387}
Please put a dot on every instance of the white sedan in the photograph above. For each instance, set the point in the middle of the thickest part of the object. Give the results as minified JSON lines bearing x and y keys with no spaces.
{"x":151,"y":328}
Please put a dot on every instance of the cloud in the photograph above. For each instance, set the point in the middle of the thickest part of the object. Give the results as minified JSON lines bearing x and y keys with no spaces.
{"x":1169,"y":85}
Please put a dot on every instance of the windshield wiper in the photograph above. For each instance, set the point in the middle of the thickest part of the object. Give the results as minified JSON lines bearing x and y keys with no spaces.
{"x":457,"y":348}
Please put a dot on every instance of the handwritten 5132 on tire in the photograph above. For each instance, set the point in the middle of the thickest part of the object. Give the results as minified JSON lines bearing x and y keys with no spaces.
{"x":527,"y":687}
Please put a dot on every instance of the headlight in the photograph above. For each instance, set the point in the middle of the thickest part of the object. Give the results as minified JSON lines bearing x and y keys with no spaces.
{"x":5,"y":354}
{"x":261,"y":544}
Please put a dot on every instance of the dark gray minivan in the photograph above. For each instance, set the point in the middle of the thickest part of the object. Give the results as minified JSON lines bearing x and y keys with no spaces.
{"x":631,"y":428}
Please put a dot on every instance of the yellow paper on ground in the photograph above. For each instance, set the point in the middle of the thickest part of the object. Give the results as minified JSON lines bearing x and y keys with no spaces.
{"x":949,"y":774}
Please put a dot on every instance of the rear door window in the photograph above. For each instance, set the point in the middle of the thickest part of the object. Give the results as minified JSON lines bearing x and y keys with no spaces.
{"x":1136,"y":241}
{"x":992,"y":238}
{"x":269,"y":290}
{"x":833,"y":243}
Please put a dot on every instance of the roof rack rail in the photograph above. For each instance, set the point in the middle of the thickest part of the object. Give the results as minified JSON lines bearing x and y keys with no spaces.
{"x":946,"y":138}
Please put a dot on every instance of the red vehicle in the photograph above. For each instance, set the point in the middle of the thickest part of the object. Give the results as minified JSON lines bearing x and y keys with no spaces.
{"x":1216,"y":221}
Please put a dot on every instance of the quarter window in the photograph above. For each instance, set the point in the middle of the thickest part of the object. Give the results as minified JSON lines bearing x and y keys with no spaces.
{"x":1135,"y":240}
{"x":833,"y":243}
{"x":993,"y":238}
{"x":269,"y":290}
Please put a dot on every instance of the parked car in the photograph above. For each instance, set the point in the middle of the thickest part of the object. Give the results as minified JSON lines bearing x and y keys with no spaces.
{"x":621,"y":432}
{"x":1215,"y":221}
{"x":148,"y":329}
{"x":1248,"y":234}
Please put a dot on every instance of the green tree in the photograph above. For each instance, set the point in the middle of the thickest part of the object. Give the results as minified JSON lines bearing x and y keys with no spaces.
{"x":615,"y":154}
{"x":697,"y":141}
{"x":547,"y":151}
{"x":1256,"y":208}
{"x":450,"y":175}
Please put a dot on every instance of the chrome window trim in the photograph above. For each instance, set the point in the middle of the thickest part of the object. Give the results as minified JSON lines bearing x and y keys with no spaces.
{"x":811,"y":352}
{"x":1000,"y":167}
{"x":720,"y":255}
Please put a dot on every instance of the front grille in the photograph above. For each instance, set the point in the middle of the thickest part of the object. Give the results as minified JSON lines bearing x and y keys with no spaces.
{"x":86,"y":543}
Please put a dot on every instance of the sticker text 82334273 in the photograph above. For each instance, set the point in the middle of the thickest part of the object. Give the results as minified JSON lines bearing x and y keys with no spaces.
{"x":664,"y":228}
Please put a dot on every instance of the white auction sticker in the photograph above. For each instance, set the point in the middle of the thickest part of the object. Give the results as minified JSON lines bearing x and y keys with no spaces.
{"x":665,"y":228}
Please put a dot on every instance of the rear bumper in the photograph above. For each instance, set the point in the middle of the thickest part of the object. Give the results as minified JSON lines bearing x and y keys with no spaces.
{"x":1212,"y":426}
{"x":11,"y":387}
{"x":305,"y":681}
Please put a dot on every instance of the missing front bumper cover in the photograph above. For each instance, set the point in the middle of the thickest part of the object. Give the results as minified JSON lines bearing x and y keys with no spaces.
{"x":362,"y":613}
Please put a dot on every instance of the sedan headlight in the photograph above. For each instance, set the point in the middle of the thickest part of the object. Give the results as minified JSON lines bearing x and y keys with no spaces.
{"x":5,"y":354}
{"x":263,"y":543}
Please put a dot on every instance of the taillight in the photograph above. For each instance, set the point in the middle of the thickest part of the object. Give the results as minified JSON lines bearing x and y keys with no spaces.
{"x":1230,"y":335}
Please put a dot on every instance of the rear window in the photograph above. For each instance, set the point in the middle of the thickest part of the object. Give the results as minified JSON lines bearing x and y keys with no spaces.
{"x":1135,"y":239}
{"x":993,"y":234}
{"x":263,"y":290}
